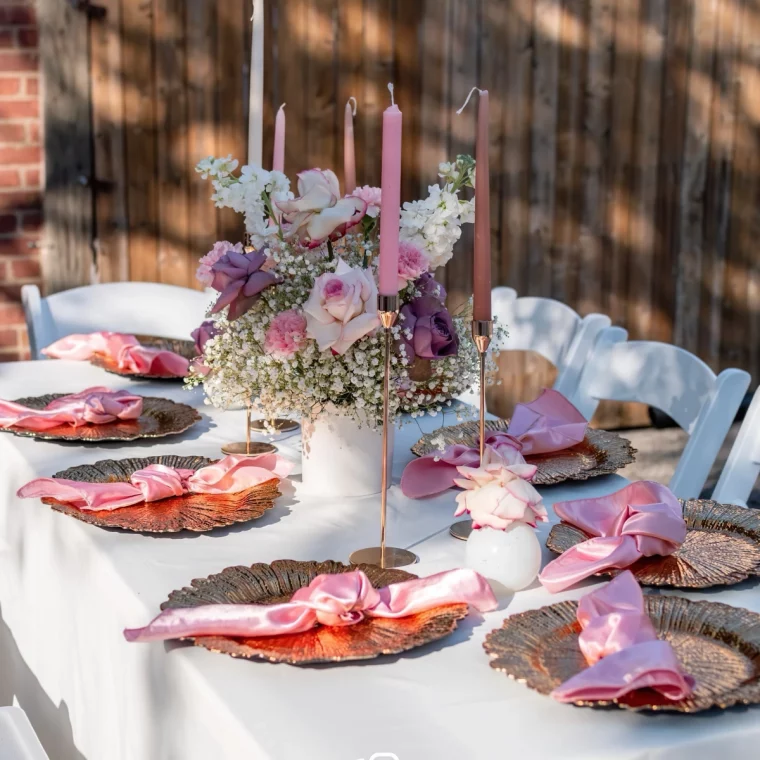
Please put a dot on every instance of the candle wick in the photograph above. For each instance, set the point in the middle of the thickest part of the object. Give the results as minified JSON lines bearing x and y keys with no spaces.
{"x":281,"y":107}
{"x":469,"y":95}
{"x":354,"y":99}
{"x":390,"y":87}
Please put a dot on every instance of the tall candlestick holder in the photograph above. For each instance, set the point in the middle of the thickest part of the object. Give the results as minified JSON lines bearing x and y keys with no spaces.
{"x":482,"y":332}
{"x":385,"y":556}
{"x":248,"y":447}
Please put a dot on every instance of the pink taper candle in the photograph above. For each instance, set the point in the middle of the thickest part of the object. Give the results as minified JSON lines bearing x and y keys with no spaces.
{"x":481,"y":273}
{"x":349,"y":155}
{"x":390,"y":208}
{"x":278,"y":159}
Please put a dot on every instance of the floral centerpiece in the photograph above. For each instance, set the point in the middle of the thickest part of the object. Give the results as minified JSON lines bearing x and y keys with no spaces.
{"x":295,"y":323}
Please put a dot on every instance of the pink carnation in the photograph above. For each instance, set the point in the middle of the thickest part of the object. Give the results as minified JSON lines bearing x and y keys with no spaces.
{"x":286,"y":334}
{"x":203,"y":273}
{"x":371,"y":196}
{"x":412,"y":263}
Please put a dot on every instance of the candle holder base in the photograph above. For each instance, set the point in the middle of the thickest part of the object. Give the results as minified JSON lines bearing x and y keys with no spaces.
{"x":461,"y":529}
{"x":248,"y":449}
{"x":279,"y":425}
{"x":374,"y":556}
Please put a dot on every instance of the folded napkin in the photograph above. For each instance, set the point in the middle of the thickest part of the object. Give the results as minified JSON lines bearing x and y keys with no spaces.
{"x":621,"y":647}
{"x":549,"y":423}
{"x":157,"y":481}
{"x":95,"y":406}
{"x":125,"y":350}
{"x":335,"y":600}
{"x":641,"y":520}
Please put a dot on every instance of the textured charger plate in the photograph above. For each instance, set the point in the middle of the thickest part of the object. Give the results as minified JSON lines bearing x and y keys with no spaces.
{"x":185,"y":348}
{"x":160,"y":417}
{"x":718,"y":645}
{"x":276,"y":583}
{"x":195,"y":512}
{"x":722,"y":547}
{"x":601,"y":452}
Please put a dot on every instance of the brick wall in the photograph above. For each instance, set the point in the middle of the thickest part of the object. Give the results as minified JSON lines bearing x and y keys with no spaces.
{"x":21,"y":169}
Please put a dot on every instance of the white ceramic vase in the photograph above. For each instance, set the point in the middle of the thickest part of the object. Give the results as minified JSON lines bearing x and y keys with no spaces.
{"x":340,"y":457}
{"x":511,"y":557}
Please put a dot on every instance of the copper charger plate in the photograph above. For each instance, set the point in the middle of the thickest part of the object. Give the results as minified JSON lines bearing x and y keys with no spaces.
{"x":195,"y":512}
{"x":601,"y":452}
{"x":276,"y":583}
{"x":185,"y":348}
{"x":160,"y":417}
{"x":722,"y":547}
{"x":717,"y":644}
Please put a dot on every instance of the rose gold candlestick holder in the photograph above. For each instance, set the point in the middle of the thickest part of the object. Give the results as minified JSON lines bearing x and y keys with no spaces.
{"x":482,"y":332}
{"x":385,"y":556}
{"x":247,"y":446}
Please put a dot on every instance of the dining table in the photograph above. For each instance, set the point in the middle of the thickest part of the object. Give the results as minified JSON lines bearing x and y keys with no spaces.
{"x":68,"y":589}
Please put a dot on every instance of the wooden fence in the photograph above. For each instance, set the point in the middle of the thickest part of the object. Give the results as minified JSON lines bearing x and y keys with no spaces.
{"x":625,"y":142}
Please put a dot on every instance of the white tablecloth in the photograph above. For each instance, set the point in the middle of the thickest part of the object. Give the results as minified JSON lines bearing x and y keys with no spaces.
{"x":67,"y":590}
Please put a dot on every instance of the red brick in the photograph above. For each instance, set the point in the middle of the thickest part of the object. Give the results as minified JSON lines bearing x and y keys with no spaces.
{"x":16,"y":61}
{"x":31,"y":221}
{"x":10,"y":295}
{"x":8,"y":338}
{"x":7,"y":39}
{"x":11,"y":313}
{"x":12,"y":133}
{"x":27,"y":38}
{"x":22,"y":15}
{"x":25,"y":269}
{"x":28,"y":155}
{"x":32,"y":178}
{"x":9,"y":178}
{"x":20,"y":201}
{"x":32,"y":85}
{"x":10,"y":85}
{"x":16,"y":246}
{"x":7,"y":223}
{"x":19,"y":109}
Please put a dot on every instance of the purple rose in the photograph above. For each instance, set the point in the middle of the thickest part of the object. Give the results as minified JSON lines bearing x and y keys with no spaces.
{"x":432,"y":332}
{"x":428,"y":286}
{"x":201,"y":335}
{"x":240,"y":279}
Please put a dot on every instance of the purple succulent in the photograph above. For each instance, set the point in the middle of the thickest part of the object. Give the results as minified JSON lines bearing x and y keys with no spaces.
{"x":201,"y":335}
{"x":239,"y":278}
{"x":432,"y":330}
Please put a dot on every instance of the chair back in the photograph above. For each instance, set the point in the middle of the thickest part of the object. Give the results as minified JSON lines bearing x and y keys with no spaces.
{"x":742,"y":467}
{"x":145,"y":308}
{"x":675,"y":382}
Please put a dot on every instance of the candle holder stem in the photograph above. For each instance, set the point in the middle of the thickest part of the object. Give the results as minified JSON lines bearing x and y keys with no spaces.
{"x":385,"y":556}
{"x":482,"y":332}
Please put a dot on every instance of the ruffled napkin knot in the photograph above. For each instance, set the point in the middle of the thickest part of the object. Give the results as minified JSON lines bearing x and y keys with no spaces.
{"x":549,"y":423}
{"x":621,"y":646}
{"x":125,"y":350}
{"x":338,"y":599}
{"x":643,"y":519}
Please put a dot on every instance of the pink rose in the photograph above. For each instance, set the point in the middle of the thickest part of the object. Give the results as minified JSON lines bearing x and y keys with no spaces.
{"x":412,"y":263}
{"x":371,"y":196}
{"x":497,"y":494}
{"x":286,"y":334}
{"x":319,"y":212}
{"x":203,"y":273}
{"x":342,"y":308}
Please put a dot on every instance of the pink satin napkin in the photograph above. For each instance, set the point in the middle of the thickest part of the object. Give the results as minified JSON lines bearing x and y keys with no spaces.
{"x":129,"y":355}
{"x":641,"y":520}
{"x":157,"y":481}
{"x":621,"y":647}
{"x":549,"y":423}
{"x":95,"y":406}
{"x":335,"y":600}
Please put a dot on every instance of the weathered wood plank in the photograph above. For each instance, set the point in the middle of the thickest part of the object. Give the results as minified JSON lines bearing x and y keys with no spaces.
{"x":67,"y":255}
{"x":140,"y":136}
{"x":107,"y":78}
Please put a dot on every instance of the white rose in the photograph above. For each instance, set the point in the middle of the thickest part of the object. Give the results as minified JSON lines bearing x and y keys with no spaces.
{"x":342,"y":308}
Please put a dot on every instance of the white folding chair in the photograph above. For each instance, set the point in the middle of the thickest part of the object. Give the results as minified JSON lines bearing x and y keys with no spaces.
{"x":743,"y":464}
{"x":674,"y":381}
{"x":17,"y":738}
{"x":548,"y":327}
{"x":146,"y":308}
